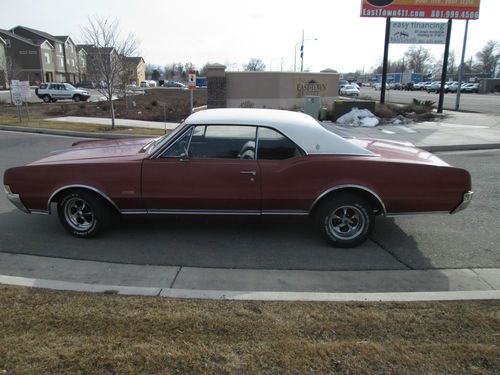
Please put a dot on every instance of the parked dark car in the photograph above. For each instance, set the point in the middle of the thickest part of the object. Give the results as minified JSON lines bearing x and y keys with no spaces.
{"x":241,"y":162}
{"x":86,"y":84}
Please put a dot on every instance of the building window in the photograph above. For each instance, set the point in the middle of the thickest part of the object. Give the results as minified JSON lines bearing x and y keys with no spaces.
{"x":23,"y":52}
{"x":72,"y":62}
{"x":60,"y":47}
{"x":61,"y":61}
{"x":32,"y":52}
{"x":7,"y":43}
{"x":47,"y":58}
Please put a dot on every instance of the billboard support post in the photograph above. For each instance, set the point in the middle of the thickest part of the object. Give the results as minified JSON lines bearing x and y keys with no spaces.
{"x":460,"y":71}
{"x":386,"y":57}
{"x":445,"y":68}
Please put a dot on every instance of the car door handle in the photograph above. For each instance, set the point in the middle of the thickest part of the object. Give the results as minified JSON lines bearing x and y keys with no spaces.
{"x":253,"y":173}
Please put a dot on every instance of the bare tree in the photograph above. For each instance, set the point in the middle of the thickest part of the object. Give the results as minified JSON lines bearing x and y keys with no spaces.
{"x":419,"y":59}
{"x":254,"y":65}
{"x":452,"y":65}
{"x":487,"y":58}
{"x":107,"y":53}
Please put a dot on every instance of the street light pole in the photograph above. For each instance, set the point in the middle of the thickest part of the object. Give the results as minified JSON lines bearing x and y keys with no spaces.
{"x":301,"y":42}
{"x":302,"y":53}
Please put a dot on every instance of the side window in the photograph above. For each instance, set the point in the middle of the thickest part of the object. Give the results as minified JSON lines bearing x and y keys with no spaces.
{"x":179,"y":147}
{"x":275,"y":146}
{"x":223,"y":142}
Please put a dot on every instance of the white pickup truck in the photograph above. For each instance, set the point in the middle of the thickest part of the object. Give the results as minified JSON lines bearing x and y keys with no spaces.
{"x":52,"y":92}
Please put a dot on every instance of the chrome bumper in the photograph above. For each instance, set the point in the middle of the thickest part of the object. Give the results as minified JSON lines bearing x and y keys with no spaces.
{"x":465,"y":202}
{"x":15,"y":199}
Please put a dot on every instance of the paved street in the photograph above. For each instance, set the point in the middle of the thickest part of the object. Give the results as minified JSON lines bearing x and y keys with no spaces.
{"x":468,"y":102}
{"x":469,"y":239}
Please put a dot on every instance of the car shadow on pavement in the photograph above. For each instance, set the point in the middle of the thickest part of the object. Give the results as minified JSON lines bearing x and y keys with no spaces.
{"x":214,"y":242}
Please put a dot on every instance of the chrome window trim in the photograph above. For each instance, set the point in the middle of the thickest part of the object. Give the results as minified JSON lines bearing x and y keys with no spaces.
{"x":284,"y":136}
{"x":157,"y":154}
{"x":80,"y":186}
{"x":349,"y":186}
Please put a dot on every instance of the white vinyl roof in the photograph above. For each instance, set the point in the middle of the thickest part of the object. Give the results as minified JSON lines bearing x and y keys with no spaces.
{"x":304,"y":130}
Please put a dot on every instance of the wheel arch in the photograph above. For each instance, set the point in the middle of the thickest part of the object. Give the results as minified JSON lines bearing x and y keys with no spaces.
{"x":372,"y":197}
{"x":57,"y":194}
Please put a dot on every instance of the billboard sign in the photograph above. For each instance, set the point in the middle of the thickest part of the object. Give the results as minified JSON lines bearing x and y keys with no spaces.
{"x":418,"y":32}
{"x":449,"y":9}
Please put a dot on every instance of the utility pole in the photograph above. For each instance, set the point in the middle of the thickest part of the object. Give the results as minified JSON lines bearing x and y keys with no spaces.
{"x":302,"y":53}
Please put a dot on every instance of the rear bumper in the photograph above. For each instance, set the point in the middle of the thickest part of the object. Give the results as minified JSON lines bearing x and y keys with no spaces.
{"x":15,"y":199}
{"x":467,"y":198}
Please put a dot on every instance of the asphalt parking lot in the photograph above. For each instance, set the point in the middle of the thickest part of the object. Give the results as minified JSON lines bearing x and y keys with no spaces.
{"x":468,"y":239}
{"x":479,"y":103}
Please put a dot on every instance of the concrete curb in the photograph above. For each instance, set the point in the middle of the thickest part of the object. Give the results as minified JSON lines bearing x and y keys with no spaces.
{"x":69,"y":133}
{"x":250,"y":296}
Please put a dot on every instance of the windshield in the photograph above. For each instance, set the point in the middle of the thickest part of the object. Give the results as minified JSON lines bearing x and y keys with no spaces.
{"x":159,"y":142}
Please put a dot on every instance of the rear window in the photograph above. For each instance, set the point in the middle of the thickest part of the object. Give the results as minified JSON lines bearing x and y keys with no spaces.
{"x":43,"y":86}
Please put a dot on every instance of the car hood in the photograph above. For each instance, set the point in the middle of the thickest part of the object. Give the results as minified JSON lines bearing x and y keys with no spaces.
{"x":398,"y":151}
{"x":97,"y":149}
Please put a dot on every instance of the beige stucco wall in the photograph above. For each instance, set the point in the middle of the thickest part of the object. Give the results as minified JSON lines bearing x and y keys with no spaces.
{"x":284,"y":90}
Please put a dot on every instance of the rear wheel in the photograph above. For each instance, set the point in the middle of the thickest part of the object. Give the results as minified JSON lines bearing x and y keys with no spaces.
{"x":346,"y":220}
{"x":83,"y":214}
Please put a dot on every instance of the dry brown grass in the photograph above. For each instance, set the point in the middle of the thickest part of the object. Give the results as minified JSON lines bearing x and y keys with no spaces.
{"x":47,"y":332}
{"x":38,"y":119}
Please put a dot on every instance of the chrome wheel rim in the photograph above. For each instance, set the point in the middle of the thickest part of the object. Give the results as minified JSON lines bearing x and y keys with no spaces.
{"x":78,"y":214}
{"x":346,"y":222}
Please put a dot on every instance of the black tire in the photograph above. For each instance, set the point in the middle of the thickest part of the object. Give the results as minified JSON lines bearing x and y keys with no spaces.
{"x":46,"y":98}
{"x":82,"y":213}
{"x":77,"y":98}
{"x":346,"y":220}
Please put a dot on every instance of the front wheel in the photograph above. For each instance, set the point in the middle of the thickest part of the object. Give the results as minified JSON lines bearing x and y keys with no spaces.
{"x":346,"y":221}
{"x":77,"y":98}
{"x":46,"y":98}
{"x":82,"y":213}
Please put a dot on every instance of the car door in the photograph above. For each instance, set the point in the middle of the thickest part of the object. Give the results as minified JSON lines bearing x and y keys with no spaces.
{"x":288,"y":177}
{"x":207,"y":170}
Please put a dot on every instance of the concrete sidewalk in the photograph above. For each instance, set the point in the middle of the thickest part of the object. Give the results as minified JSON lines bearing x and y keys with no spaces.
{"x":453,"y":131}
{"x":190,"y":282}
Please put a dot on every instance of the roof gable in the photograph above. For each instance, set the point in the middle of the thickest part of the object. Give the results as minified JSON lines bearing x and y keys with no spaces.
{"x":43,"y":34}
{"x":7,"y":34}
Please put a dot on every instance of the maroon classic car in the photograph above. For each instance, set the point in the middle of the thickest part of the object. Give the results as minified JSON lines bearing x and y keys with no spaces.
{"x":241,"y":162}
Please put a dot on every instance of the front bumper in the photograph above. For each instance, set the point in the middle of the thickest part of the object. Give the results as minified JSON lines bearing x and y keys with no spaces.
{"x":15,"y":199}
{"x":465,"y":202}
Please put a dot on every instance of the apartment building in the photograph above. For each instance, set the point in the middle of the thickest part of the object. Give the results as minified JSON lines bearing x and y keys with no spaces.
{"x":137,"y":69}
{"x":23,"y":57}
{"x":64,"y":52}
